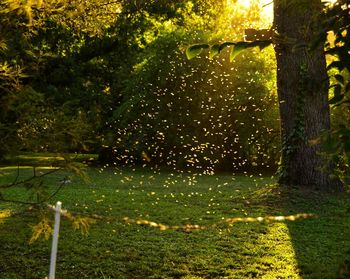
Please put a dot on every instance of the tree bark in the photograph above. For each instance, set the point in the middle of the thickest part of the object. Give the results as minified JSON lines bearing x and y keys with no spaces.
{"x":302,"y":85}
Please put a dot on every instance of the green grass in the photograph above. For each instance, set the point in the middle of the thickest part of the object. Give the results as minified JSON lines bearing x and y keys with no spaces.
{"x":309,"y":248}
{"x":29,"y":159}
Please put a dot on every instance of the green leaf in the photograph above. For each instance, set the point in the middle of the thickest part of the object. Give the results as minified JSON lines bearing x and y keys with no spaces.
{"x":339,"y":78}
{"x":264,"y":44}
{"x":226,"y":44}
{"x":347,"y":102}
{"x":336,"y":64}
{"x":337,"y":90}
{"x":336,"y":99}
{"x":237,"y":49}
{"x":214,"y":50}
{"x":195,"y":50}
{"x":347,"y":87}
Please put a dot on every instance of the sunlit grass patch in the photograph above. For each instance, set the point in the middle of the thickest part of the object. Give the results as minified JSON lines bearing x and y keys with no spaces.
{"x":26,"y":167}
{"x":37,"y":157}
{"x":45,"y":159}
{"x":4,"y":214}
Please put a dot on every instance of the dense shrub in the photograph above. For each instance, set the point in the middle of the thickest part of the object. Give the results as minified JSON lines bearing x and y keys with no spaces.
{"x":202,"y":114}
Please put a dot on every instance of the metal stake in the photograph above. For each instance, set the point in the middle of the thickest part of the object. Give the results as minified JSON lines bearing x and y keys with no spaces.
{"x":55,"y":240}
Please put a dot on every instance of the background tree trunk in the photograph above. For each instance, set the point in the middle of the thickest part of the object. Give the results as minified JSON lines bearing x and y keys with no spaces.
{"x":302,"y":84}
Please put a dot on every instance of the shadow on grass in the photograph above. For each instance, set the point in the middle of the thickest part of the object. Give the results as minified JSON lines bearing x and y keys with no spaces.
{"x":19,"y":259}
{"x":321,"y":244}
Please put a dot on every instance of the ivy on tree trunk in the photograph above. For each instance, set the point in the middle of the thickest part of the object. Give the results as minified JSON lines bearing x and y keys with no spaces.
{"x":302,"y":84}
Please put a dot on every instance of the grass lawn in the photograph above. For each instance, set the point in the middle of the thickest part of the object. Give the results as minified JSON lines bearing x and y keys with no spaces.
{"x":305,"y":248}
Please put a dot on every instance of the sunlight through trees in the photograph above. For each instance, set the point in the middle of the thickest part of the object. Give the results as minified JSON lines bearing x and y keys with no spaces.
{"x":172,"y":161}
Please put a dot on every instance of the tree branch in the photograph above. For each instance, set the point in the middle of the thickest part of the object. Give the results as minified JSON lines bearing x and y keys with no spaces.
{"x":15,"y":183}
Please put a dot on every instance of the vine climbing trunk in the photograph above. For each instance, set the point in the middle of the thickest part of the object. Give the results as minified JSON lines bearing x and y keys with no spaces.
{"x":302,"y":84}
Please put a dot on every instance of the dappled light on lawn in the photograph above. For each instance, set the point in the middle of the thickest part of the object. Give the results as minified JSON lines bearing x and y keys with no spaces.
{"x":278,"y":243}
{"x":27,"y":167}
{"x":4,"y":214}
{"x":166,"y":224}
{"x":229,"y":221}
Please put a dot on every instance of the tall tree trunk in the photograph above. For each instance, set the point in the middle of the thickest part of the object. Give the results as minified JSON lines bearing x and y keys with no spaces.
{"x":302,"y":84}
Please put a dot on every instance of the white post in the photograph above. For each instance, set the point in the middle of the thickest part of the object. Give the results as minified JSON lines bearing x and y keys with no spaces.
{"x":55,"y":240}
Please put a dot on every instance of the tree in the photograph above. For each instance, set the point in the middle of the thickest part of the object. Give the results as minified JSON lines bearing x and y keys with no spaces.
{"x":302,"y":84}
{"x":54,"y":86}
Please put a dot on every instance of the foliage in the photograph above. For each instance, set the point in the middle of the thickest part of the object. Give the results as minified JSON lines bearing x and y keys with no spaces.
{"x":236,"y":48}
{"x":336,"y":144}
{"x":81,"y":77}
{"x":28,"y":112}
{"x":160,"y":99}
{"x":44,"y":227}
